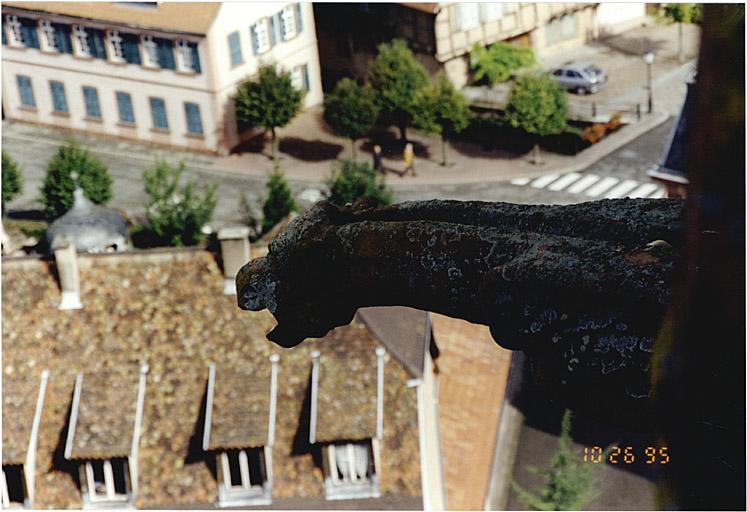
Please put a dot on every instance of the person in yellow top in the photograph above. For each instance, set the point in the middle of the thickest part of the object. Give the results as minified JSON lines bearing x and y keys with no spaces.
{"x":409,"y":157}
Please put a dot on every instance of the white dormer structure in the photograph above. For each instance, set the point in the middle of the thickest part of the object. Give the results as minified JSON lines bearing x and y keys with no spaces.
{"x":161,"y":73}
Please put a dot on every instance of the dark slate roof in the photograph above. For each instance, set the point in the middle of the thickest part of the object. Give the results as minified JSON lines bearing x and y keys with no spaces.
{"x":90,"y":227}
{"x":19,"y":403}
{"x":105,"y":417}
{"x":240,"y":407}
{"x":673,"y":166}
{"x":167,"y":308}
{"x":403,"y":331}
{"x":346,"y":397}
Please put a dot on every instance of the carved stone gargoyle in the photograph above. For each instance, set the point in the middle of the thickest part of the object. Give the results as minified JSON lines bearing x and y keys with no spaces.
{"x":584,"y":286}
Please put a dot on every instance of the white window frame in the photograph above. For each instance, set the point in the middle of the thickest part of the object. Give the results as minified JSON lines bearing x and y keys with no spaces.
{"x":297,"y":77}
{"x":492,"y":11}
{"x":354,"y":484}
{"x":110,"y":494}
{"x":116,"y":50}
{"x":247,"y":492}
{"x":150,"y":52}
{"x":15,"y":36}
{"x":48,"y":42}
{"x":80,"y":41}
{"x":465,"y":23}
{"x":264,"y":41}
{"x":184,"y":61}
{"x":288,"y":19}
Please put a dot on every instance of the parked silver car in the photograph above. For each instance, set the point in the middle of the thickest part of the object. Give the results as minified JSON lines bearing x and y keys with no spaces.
{"x":580,"y":77}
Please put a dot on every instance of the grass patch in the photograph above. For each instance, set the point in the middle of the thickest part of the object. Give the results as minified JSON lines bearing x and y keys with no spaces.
{"x":25,"y":227}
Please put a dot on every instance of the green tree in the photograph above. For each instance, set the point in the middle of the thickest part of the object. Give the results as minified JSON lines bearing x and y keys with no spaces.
{"x":569,"y":481}
{"x":352,"y":181}
{"x":12,"y":179}
{"x":351,"y":110}
{"x":270,"y":101}
{"x":176,"y":215}
{"x":91,"y":175}
{"x":441,"y":109}
{"x":681,"y":14}
{"x":497,"y":61}
{"x":539,"y":106}
{"x":396,"y":77}
{"x":279,"y":202}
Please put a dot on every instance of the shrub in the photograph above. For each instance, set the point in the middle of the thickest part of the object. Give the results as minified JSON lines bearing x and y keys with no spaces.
{"x":496,"y":62}
{"x":279,"y":202}
{"x":90,"y":174}
{"x":176,"y":216}
{"x":352,"y":181}
{"x":12,"y":179}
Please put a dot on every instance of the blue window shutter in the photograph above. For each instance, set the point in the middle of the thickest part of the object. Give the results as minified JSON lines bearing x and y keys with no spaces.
{"x":280,"y":24}
{"x":124,"y":102}
{"x":158,"y":110}
{"x":255,"y":42}
{"x":299,"y":18}
{"x":272,"y":30}
{"x":194,"y":123}
{"x":62,"y":38}
{"x":131,"y":47}
{"x":26,"y":91}
{"x":195,"y":58}
{"x":28,"y":30}
{"x":165,"y":53}
{"x":59,"y":101}
{"x":96,"y":40}
{"x":234,"y":47}
{"x":91,"y":97}
{"x":5,"y":39}
{"x":305,"y":77}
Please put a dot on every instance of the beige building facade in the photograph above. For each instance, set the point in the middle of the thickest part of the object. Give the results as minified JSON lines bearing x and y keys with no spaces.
{"x":163,"y":73}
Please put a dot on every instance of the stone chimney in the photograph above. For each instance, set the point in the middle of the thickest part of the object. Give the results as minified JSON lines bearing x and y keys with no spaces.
{"x":235,"y":251}
{"x":67,"y":269}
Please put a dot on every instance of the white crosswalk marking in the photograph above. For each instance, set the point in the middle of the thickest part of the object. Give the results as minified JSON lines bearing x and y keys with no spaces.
{"x":602,"y":186}
{"x":659,"y":194}
{"x":544,"y":181}
{"x":564,"y":181}
{"x":584,"y":182}
{"x":644,"y":190}
{"x":622,"y":189}
{"x":520,"y":181}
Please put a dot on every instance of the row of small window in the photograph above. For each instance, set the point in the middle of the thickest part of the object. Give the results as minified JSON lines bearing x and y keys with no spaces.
{"x":111,"y":45}
{"x":470,"y":14}
{"x":349,"y":472}
{"x":124,"y":105}
{"x":263,"y":34}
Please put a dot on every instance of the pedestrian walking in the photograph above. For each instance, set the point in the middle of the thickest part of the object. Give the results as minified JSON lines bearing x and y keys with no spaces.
{"x":409,"y":157}
{"x":378,"y":166}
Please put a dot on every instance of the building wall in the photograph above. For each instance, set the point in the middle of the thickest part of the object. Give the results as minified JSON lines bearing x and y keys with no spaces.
{"x":300,"y":50}
{"x":522,"y":23}
{"x":613,"y":18}
{"x":140,"y":82}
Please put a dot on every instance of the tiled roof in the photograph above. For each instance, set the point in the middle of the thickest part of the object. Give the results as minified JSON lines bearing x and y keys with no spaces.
{"x":346,"y":400}
{"x":104,"y":420}
{"x":473,"y":376}
{"x":240,"y":407}
{"x":192,"y":17}
{"x":403,"y":331}
{"x":19,"y":404}
{"x":167,"y":308}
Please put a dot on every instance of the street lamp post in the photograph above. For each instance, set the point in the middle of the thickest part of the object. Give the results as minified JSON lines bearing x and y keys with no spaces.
{"x":648,"y":58}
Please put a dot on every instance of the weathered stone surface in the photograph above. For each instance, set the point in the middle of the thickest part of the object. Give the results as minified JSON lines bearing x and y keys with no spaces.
{"x":581,"y":287}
